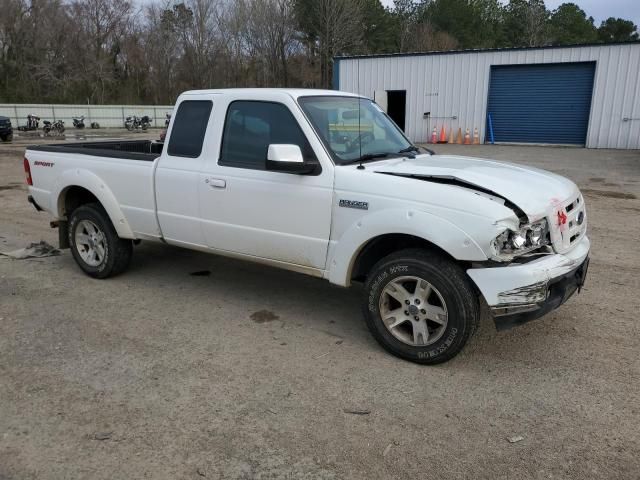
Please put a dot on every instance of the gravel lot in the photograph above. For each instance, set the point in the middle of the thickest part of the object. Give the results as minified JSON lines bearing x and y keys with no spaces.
{"x":161,"y":374}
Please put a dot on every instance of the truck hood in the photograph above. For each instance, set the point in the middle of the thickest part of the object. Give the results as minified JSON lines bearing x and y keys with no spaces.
{"x":531,"y":190}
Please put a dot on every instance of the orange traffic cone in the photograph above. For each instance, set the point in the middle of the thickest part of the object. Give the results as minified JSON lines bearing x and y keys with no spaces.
{"x":467,"y":138}
{"x":476,"y":136}
{"x":443,"y":135}
{"x":459,"y":137}
{"x":434,"y":136}
{"x":451,"y":136}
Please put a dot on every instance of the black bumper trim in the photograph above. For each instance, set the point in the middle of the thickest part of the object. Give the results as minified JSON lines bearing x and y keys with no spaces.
{"x":560,"y":289}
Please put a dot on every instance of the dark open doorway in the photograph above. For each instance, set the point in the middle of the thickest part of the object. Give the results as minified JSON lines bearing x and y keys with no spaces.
{"x":397,"y":106}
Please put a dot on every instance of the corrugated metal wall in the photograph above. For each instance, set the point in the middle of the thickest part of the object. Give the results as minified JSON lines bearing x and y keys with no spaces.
{"x":457,"y":85}
{"x":105,"y":115}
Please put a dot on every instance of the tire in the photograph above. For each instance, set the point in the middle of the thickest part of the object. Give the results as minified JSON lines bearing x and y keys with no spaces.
{"x":112,"y":254}
{"x":450,"y":317}
{"x":4,"y":138}
{"x":8,"y":138}
{"x":128,"y":126}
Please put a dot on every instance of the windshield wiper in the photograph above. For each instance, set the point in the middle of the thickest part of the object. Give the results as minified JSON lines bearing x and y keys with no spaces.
{"x":410,"y":148}
{"x":415,"y":148}
{"x":370,"y":156}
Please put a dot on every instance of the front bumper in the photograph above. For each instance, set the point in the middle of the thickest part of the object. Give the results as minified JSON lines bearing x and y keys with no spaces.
{"x":519,"y":293}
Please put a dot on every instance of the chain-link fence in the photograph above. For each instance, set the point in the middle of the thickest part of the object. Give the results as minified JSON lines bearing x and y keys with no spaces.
{"x":106,"y":115}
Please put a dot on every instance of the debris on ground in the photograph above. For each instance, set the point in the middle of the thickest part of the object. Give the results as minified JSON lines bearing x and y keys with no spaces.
{"x":102,"y":435}
{"x":357,"y":412}
{"x":387,"y":449}
{"x":33,"y":250}
{"x":200,"y":472}
{"x":515,"y":439}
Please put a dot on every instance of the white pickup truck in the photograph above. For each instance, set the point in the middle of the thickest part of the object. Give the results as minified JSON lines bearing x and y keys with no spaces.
{"x":324,"y":183}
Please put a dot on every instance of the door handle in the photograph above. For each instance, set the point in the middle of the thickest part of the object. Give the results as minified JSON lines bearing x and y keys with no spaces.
{"x":216,"y":182}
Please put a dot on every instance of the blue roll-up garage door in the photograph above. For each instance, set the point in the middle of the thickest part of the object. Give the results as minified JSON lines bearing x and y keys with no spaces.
{"x":542,"y":103}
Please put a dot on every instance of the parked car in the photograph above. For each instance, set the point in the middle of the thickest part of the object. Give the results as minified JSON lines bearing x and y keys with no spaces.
{"x":6,"y":130}
{"x":284,"y":178}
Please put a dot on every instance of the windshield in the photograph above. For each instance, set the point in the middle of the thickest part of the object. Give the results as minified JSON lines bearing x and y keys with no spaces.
{"x":352,"y":128}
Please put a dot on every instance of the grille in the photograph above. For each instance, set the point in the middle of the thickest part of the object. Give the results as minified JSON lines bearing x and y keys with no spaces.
{"x":570,"y":223}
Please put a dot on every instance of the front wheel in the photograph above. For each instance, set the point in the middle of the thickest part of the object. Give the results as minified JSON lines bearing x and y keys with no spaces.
{"x":95,"y":244}
{"x":420,"y":306}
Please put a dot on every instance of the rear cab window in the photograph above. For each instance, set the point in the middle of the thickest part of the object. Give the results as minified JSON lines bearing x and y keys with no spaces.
{"x":189,"y":128}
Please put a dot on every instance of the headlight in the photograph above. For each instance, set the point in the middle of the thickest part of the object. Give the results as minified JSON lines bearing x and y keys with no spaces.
{"x":511,"y":243}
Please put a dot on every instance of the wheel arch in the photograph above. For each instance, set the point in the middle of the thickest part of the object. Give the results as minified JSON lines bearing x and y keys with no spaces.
{"x":86,"y":187}
{"x":383,"y":246}
{"x":385,"y":232}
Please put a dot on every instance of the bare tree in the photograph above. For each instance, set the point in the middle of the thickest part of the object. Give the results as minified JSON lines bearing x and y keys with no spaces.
{"x":100,"y":26}
{"x":270,"y":35}
{"x":425,"y":38}
{"x":332,"y":27}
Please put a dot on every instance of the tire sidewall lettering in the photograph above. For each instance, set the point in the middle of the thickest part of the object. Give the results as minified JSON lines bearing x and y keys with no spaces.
{"x":451,"y":336}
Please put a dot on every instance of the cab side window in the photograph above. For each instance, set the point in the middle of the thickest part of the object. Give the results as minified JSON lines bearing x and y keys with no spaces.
{"x":189,"y":128}
{"x":251,"y":126}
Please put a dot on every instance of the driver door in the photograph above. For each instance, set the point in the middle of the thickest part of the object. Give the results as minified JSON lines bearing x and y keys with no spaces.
{"x":282,"y":217}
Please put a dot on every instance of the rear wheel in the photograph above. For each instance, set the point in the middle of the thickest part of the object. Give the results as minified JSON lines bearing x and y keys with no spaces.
{"x":95,"y":244}
{"x":420,"y":306}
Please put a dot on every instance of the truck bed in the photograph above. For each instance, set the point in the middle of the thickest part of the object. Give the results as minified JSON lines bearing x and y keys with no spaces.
{"x":143,"y":150}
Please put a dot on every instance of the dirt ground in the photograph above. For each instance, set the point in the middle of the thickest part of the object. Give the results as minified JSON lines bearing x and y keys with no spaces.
{"x":249,"y":372}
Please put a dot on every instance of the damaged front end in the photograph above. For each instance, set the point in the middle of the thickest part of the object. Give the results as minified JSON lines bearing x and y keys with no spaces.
{"x":538,"y":299}
{"x":536,"y":258}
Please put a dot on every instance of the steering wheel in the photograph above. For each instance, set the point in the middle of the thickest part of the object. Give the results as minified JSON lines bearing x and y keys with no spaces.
{"x":364,"y":137}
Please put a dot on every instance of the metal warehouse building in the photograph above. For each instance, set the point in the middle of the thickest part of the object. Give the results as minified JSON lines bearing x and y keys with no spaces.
{"x":576,"y":95}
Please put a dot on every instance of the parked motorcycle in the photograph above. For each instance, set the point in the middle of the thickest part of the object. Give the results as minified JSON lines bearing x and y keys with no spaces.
{"x":33,"y":122}
{"x":133,"y":122}
{"x":78,"y":122}
{"x":55,"y":128}
{"x":95,"y":125}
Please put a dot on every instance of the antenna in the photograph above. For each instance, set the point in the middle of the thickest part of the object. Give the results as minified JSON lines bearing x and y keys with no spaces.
{"x":360,"y":167}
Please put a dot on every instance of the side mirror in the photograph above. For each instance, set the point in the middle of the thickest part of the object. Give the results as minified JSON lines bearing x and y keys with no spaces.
{"x":287,"y":159}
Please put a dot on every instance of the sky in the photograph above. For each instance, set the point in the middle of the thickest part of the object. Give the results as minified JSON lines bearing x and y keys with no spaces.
{"x":598,"y":9}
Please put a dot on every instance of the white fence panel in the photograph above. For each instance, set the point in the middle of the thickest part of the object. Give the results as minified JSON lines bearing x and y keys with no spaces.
{"x":105,"y":115}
